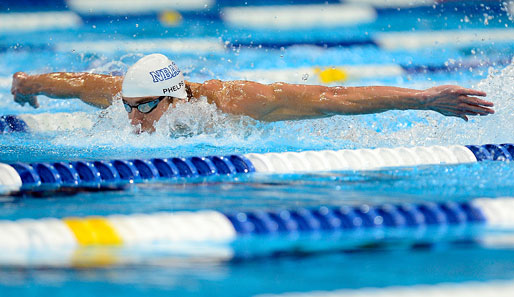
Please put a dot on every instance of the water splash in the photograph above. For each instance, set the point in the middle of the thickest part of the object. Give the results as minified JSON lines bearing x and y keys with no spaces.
{"x":104,"y":65}
{"x":497,"y":128}
{"x":411,"y":128}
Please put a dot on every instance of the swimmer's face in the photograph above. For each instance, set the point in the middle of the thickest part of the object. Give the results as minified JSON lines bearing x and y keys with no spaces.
{"x":146,"y":111}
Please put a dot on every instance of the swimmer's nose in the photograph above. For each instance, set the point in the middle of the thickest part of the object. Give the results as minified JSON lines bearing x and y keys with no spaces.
{"x":136,"y":117}
{"x":135,"y":120}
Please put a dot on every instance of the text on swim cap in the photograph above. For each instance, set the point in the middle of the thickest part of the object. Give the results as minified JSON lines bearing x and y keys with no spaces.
{"x":173,"y":88}
{"x":165,"y":73}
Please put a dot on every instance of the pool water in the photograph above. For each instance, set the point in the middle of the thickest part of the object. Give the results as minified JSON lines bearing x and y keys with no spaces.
{"x":265,"y":265}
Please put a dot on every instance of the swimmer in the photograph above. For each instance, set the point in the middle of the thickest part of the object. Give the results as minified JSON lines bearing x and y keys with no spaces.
{"x":154,"y":83}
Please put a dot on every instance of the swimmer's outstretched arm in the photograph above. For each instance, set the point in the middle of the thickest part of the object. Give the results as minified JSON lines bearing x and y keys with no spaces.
{"x":281,"y":101}
{"x":94,"y":89}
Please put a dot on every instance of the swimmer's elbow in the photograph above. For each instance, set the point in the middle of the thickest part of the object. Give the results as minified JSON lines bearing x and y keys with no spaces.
{"x":289,"y":114}
{"x":97,"y":101}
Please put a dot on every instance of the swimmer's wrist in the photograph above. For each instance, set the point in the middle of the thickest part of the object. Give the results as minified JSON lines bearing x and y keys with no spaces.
{"x":27,"y":84}
{"x":419,"y":100}
{"x":412,"y":100}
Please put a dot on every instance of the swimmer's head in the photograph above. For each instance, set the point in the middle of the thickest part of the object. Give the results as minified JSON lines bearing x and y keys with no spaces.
{"x":149,"y":87}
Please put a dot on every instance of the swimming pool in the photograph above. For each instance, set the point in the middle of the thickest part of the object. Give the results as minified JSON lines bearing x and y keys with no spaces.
{"x":466,"y":43}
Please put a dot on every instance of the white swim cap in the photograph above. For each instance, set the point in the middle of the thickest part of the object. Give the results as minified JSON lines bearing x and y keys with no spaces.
{"x":154,"y":75}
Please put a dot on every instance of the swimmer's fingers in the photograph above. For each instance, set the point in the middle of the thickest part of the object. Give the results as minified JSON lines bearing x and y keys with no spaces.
{"x":469,"y":92}
{"x":475,"y":101}
{"x":30,"y":99}
{"x":20,"y":92}
{"x":17,"y":82}
{"x":469,"y":105}
{"x":19,"y":99}
{"x":33,"y":102}
{"x":463,"y":111}
{"x":477,"y":109}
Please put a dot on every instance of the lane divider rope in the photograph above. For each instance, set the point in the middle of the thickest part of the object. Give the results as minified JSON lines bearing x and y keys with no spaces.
{"x":215,"y":226}
{"x":45,"y":122}
{"x":91,"y":173}
{"x":41,"y":20}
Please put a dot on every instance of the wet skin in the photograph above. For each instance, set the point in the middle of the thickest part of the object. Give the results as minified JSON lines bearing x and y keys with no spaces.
{"x":272,"y":102}
{"x":146,"y":121}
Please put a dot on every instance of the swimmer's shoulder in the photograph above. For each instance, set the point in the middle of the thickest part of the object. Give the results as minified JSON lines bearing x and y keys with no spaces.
{"x":207,"y":88}
{"x":212,"y":84}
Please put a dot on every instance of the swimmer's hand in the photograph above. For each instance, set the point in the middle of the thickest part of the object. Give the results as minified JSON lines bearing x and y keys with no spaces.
{"x":455,"y":101}
{"x":22,"y":94}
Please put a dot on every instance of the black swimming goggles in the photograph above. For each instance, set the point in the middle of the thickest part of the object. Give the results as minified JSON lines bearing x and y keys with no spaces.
{"x":143,"y":107}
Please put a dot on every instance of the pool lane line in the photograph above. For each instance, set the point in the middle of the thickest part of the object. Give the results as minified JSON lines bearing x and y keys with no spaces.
{"x":12,"y":123}
{"x":494,"y":288}
{"x":183,"y":45}
{"x":46,"y":122}
{"x":280,"y":17}
{"x":37,"y":21}
{"x":224,"y":227}
{"x":24,"y":176}
{"x":408,"y":40}
{"x":388,"y":41}
{"x":341,"y":74}
{"x":119,"y":172}
{"x":136,"y":8}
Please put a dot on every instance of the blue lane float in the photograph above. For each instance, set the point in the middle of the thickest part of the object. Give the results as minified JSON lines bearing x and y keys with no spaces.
{"x":355,"y":217}
{"x":87,"y":173}
{"x":45,"y":122}
{"x":136,"y":170}
{"x":215,"y":226}
{"x":491,"y":152}
{"x":210,"y":233}
{"x":11,"y":123}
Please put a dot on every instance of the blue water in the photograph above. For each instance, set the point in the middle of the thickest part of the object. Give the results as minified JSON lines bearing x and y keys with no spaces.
{"x":268,"y":265}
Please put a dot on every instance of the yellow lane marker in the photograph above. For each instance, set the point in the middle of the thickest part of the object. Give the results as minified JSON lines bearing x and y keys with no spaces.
{"x":331,"y":75}
{"x":170,"y":18}
{"x":93,"y":231}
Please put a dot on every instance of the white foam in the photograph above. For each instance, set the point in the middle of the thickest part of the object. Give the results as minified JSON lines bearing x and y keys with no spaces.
{"x":393,"y":3}
{"x":5,"y":82}
{"x":310,"y":75}
{"x":59,"y":121}
{"x":121,"y":7}
{"x":422,"y":39}
{"x":298,"y":16}
{"x":486,"y":289}
{"x":186,"y":125}
{"x":36,"y":21}
{"x":424,"y":128}
{"x":192,"y":45}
